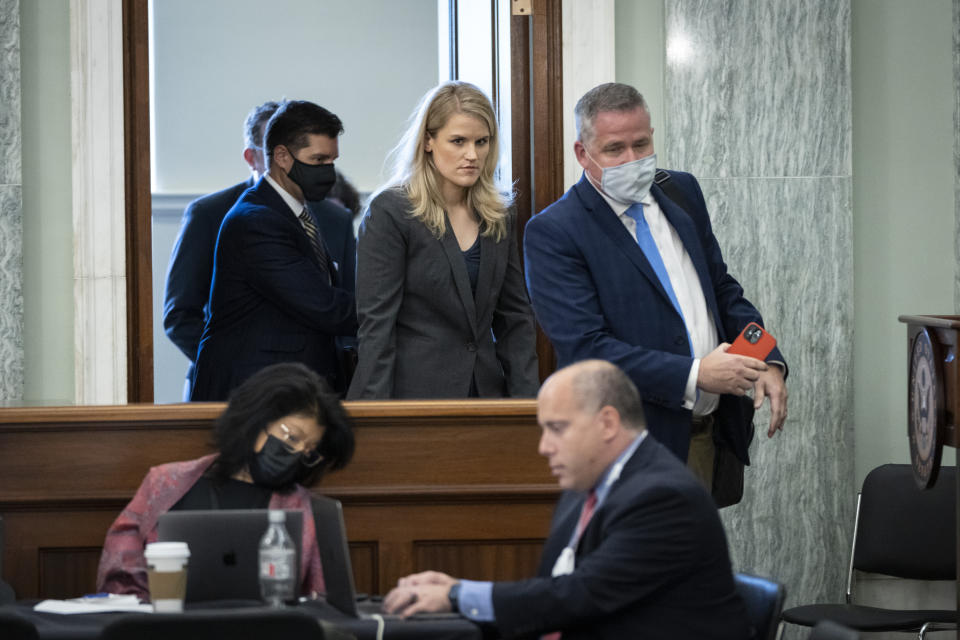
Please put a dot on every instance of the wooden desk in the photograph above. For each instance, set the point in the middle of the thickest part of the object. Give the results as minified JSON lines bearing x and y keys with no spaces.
{"x":455,"y":486}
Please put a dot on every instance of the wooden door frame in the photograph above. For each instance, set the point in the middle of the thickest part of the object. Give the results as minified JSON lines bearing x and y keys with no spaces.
{"x":537,"y":112}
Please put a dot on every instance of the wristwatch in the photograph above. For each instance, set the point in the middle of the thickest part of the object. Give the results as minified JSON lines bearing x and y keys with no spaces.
{"x":454,"y":597}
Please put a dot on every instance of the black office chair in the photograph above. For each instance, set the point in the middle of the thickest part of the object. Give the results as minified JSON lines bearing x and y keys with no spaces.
{"x":13,"y":627}
{"x":764,"y":600}
{"x":827,"y":630}
{"x":223,"y":624}
{"x":903,"y":532}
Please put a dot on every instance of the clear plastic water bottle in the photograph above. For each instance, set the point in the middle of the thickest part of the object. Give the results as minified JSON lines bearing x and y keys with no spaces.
{"x":277,"y":557}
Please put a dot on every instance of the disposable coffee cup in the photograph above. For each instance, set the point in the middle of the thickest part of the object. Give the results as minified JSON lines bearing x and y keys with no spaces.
{"x":167,"y":575}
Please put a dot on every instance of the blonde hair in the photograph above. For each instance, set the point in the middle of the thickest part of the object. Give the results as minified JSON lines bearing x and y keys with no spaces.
{"x":415,"y":173}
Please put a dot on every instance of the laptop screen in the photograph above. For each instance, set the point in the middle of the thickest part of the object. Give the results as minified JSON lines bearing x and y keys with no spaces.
{"x":335,"y":554}
{"x":224,"y":545}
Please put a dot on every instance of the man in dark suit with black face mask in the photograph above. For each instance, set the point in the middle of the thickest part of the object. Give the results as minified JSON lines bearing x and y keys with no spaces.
{"x":277,"y":294}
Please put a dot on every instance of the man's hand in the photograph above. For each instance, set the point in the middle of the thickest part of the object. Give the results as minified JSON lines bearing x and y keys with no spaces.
{"x":420,"y":592}
{"x":722,"y":372}
{"x":770,"y":384}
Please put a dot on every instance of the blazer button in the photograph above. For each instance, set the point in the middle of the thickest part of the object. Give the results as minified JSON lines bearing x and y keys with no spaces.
{"x":471,"y":346}
{"x":679,"y":340}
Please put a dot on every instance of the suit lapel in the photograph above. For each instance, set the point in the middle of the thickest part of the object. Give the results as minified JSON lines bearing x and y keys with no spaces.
{"x":604,"y":216}
{"x":687,"y":231}
{"x":459,"y":269}
{"x":276,"y":202}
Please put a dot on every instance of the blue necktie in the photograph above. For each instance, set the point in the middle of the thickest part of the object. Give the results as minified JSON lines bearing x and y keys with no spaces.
{"x":649,"y":248}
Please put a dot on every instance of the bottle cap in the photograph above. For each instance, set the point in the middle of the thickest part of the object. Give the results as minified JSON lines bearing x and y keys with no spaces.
{"x":277,"y":515}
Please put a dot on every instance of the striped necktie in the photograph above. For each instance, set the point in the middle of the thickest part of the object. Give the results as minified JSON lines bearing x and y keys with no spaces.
{"x":314,"y":235}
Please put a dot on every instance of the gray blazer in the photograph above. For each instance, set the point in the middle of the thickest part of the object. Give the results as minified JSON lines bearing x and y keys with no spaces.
{"x":422,"y":334}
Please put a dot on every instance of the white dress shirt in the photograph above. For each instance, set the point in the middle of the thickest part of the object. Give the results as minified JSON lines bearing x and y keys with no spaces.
{"x":295,"y":205}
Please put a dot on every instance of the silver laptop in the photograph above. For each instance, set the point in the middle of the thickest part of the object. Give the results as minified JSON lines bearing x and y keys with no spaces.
{"x":224,"y":545}
{"x":337,"y":569}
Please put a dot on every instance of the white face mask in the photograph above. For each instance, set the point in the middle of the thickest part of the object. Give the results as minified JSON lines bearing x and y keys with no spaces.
{"x":629,"y":182}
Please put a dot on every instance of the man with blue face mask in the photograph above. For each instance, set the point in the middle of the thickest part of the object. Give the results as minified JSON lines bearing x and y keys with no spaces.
{"x":626,"y":268}
{"x":277,"y":294}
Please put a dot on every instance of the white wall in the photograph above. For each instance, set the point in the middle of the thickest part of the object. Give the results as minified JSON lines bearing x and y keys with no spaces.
{"x":368,"y":61}
{"x":47,"y":202}
{"x":903,"y":205}
{"x":640,"y":59}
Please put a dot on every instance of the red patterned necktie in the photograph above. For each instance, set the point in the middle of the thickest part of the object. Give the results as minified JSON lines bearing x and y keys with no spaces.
{"x":589,"y":505}
{"x":587,"y":512}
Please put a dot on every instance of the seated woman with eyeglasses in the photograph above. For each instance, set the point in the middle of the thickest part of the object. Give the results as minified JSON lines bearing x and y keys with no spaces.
{"x":281,"y":430}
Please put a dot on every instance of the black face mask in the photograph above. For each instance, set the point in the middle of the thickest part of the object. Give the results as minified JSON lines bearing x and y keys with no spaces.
{"x":273,"y":466}
{"x":315,"y":180}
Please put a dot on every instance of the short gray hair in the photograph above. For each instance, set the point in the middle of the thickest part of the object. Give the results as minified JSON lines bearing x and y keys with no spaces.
{"x":256,"y":122}
{"x":598,"y":383}
{"x":612,"y":96}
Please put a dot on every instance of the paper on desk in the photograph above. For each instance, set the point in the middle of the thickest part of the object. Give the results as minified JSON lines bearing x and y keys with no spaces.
{"x":103,"y":604}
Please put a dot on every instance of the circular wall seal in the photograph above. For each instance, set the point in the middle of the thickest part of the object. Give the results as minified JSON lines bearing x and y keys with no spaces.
{"x":925,"y":409}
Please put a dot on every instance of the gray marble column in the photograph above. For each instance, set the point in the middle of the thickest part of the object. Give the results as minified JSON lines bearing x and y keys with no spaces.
{"x":11,"y":222}
{"x":758,"y":107}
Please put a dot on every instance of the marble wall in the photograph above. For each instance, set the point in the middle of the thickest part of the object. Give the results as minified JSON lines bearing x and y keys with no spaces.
{"x":11,"y":220}
{"x":758,"y":106}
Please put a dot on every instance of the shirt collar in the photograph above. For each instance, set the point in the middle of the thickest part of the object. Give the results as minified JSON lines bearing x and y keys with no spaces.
{"x":295,"y":205}
{"x":612,"y":473}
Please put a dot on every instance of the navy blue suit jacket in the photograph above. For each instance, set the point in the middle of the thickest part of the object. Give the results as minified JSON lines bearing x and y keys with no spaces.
{"x":596,"y":296}
{"x":270,"y":300}
{"x":191,"y":269}
{"x":651,"y":563}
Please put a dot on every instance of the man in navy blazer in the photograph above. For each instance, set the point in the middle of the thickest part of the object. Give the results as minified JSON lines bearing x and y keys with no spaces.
{"x":277,"y":294}
{"x":190,"y":271}
{"x":636,"y":547}
{"x":665,"y":317}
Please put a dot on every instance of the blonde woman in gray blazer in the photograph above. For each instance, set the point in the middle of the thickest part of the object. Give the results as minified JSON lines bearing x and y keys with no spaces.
{"x":441,"y":299}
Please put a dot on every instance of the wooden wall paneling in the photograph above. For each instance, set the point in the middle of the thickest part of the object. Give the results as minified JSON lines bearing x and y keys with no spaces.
{"x":521,"y":122}
{"x":136,"y":130}
{"x":66,"y":572}
{"x":364,"y":558}
{"x":478,"y":494}
{"x":537,"y":82}
{"x":480,"y":559}
{"x":53,"y":552}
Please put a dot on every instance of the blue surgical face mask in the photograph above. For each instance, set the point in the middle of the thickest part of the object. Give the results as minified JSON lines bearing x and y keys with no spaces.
{"x":629,"y":182}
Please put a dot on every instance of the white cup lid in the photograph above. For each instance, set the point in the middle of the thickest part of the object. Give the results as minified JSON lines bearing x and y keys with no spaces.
{"x":167,"y":550}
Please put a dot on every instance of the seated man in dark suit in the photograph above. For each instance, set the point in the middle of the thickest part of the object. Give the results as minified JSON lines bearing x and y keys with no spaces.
{"x":636,"y":548}
{"x":185,"y":308}
{"x":277,"y":293}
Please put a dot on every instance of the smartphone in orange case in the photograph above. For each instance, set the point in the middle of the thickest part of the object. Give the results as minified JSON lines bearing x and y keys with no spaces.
{"x":753,"y":341}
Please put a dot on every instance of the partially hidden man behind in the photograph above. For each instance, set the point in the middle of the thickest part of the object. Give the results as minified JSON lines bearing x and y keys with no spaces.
{"x":185,"y":309}
{"x":627,"y":269}
{"x":277,"y":294}
{"x":636,"y":547}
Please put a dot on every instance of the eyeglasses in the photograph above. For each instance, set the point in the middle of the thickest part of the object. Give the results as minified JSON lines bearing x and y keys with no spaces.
{"x":295,"y":444}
